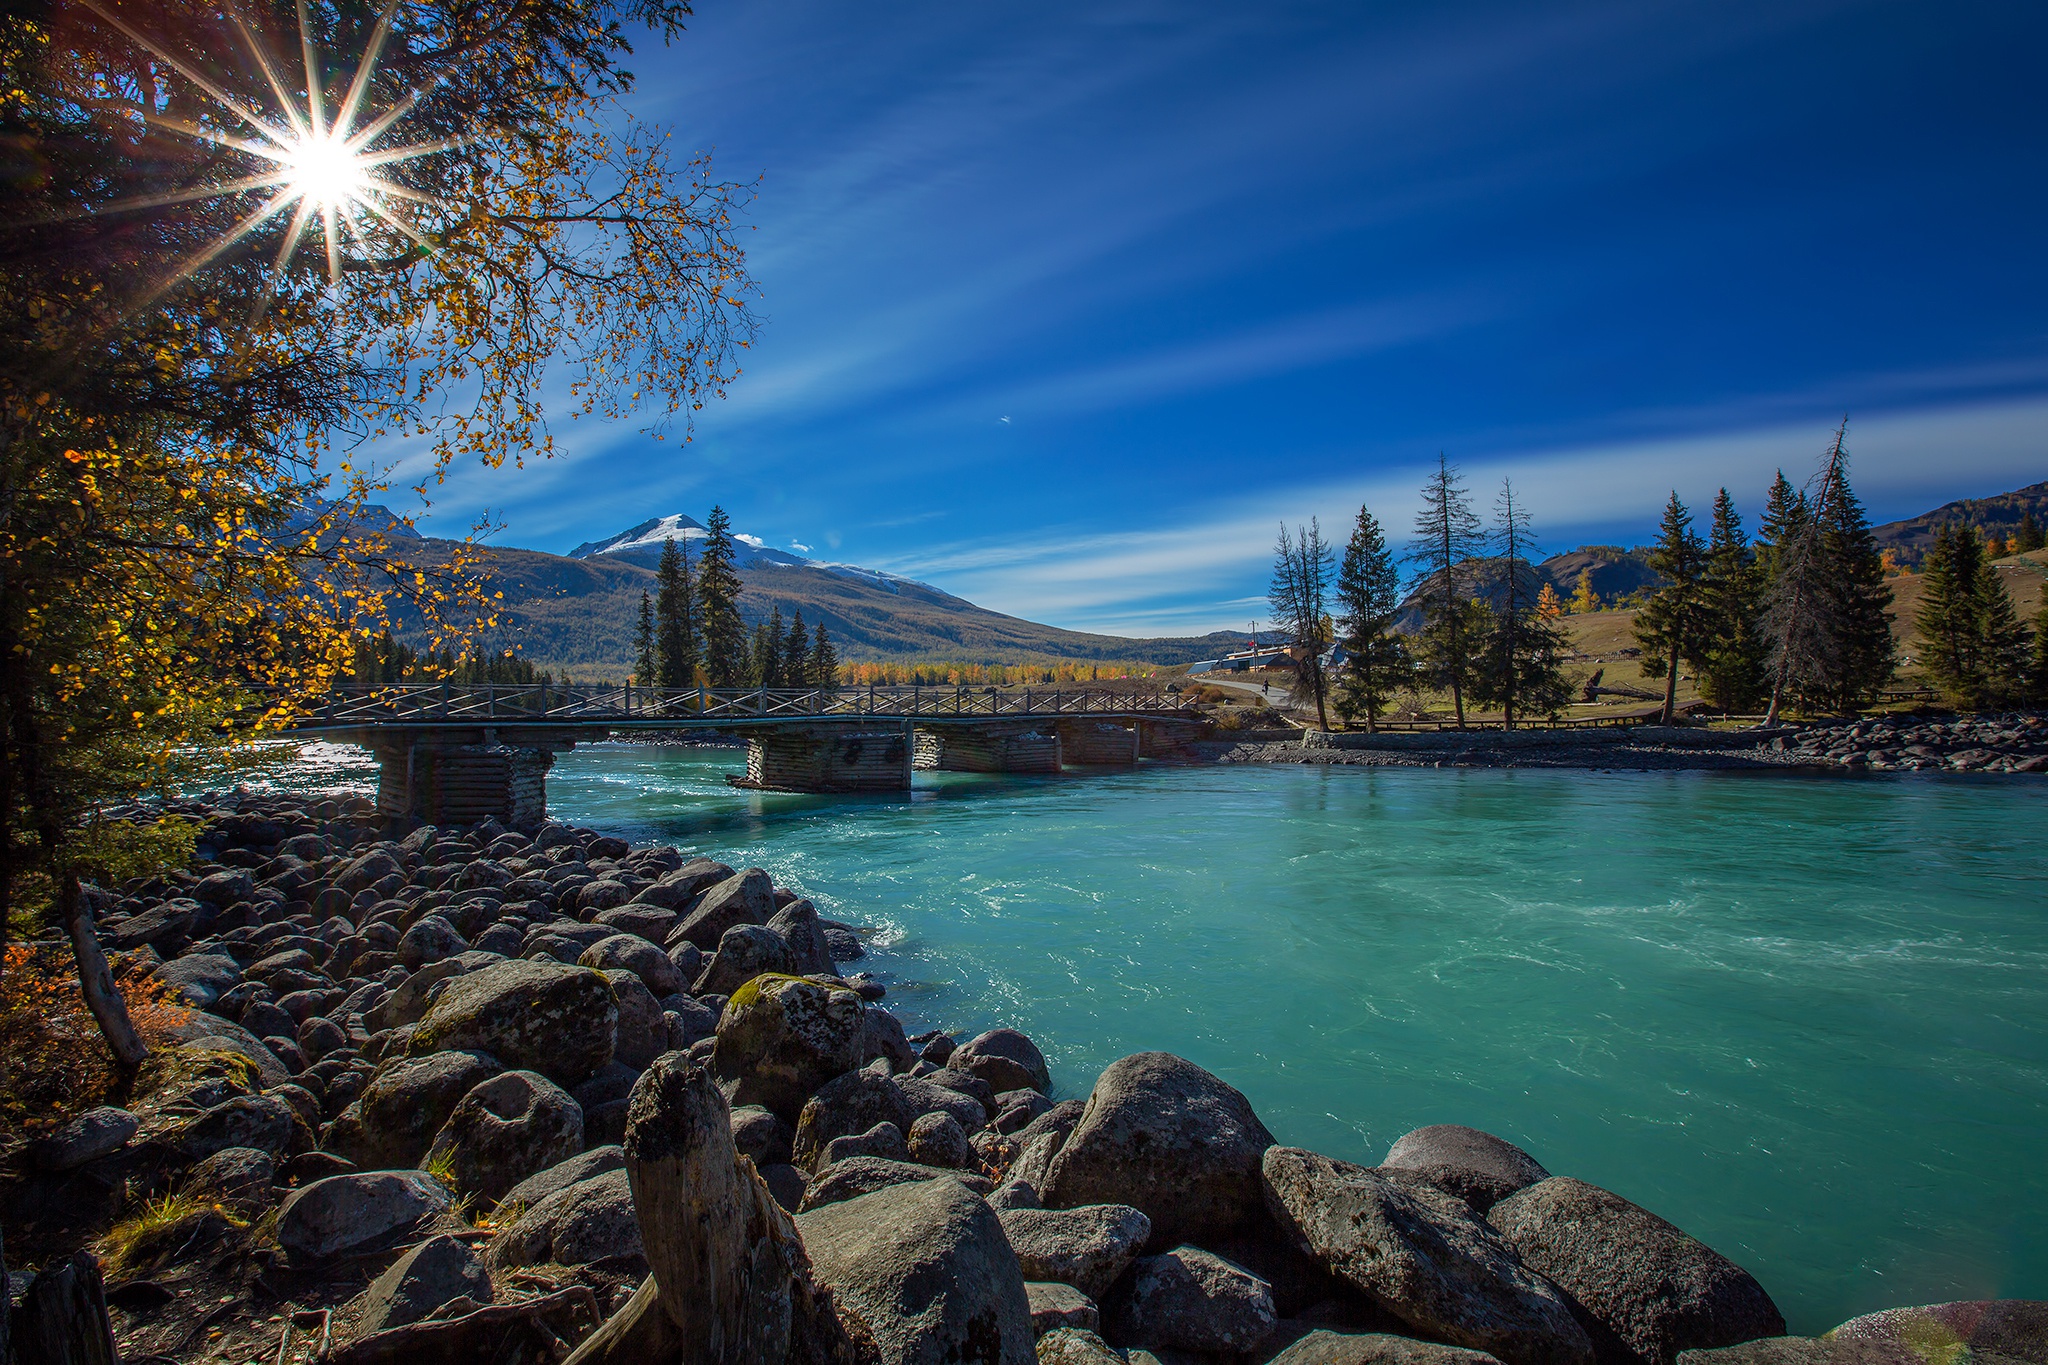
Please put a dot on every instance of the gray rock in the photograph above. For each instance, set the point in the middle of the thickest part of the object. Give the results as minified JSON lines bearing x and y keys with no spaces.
{"x":200,"y":979}
{"x":1820,"y":1351}
{"x":432,"y":1273}
{"x":781,"y":1038}
{"x":925,"y":1268}
{"x":408,"y":1003}
{"x":798,"y":926}
{"x":761,"y":1136}
{"x":267,"y":1019}
{"x":930,"y":1096}
{"x":225,"y":888}
{"x":265,"y":1122}
{"x":533,"y":1015}
{"x":939,"y":1140}
{"x":207,"y":1034}
{"x":244,"y":1177}
{"x":319,"y":1037}
{"x":1088,"y":1247}
{"x":689,"y":1021}
{"x":884,"y":1140}
{"x":786,"y":1183}
{"x":649,"y":922}
{"x":1054,"y":1306}
{"x":595,"y":1162}
{"x":1324,"y":1347}
{"x":88,"y":1137}
{"x":1191,"y":1300}
{"x":1479,"y":1168}
{"x":2016,"y":1328}
{"x":615,"y":1082}
{"x":635,"y":954}
{"x":747,"y":898}
{"x":577,"y":1224}
{"x":432,"y":939}
{"x":1004,"y":1058}
{"x":346,"y":1213}
{"x":859,"y":1175}
{"x":393,"y":1122}
{"x":506,"y":1129}
{"x":882,"y":1035}
{"x":641,"y":1031}
{"x":745,"y":951}
{"x":1016,"y":1110}
{"x":844,"y":944}
{"x":688,"y":960}
{"x":848,"y":1105}
{"x":1421,"y":1253}
{"x":1168,"y":1138}
{"x":1655,"y":1289}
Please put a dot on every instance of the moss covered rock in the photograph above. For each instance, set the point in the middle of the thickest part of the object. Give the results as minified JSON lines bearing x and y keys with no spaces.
{"x":532,"y":1015}
{"x":782,"y":1037}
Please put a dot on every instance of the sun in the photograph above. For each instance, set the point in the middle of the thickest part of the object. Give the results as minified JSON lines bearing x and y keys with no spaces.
{"x":326,"y":172}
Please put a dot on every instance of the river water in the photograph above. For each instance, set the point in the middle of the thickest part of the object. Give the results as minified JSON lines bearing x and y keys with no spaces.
{"x":1804,"y":1018}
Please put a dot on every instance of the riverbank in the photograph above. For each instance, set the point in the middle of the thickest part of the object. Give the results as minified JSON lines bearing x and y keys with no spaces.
{"x":450,"y":883}
{"x":2011,"y":743}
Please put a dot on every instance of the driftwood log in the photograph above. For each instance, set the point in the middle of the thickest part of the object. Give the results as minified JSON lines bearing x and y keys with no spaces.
{"x":641,"y":1333}
{"x":63,"y":1319}
{"x":728,"y":1266}
{"x":529,"y":1329}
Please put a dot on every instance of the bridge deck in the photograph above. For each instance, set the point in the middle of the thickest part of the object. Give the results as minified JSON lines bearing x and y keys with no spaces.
{"x":512,"y":706}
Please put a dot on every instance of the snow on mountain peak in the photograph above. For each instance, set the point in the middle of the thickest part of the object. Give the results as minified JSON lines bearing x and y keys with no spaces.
{"x":642,"y":545}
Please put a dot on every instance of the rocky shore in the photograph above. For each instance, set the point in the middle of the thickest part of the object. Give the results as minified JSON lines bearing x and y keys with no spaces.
{"x":453,"y":1095}
{"x":2011,"y":743}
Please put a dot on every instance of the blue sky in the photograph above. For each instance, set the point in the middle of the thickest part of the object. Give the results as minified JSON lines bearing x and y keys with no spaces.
{"x":1068,"y":305}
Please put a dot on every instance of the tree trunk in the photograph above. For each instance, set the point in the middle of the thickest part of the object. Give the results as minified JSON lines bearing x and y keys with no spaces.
{"x":641,"y":1333}
{"x":1670,"y":688}
{"x":109,"y":1010}
{"x":727,"y":1264}
{"x":63,"y":1318}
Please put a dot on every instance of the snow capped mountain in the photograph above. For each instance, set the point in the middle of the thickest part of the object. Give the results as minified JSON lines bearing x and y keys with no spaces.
{"x":642,"y":545}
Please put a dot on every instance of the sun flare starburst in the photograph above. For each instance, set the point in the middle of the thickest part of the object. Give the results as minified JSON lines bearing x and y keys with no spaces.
{"x":310,"y":162}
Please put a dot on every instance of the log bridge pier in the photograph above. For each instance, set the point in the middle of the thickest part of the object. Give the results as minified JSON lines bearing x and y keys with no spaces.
{"x":459,"y":754}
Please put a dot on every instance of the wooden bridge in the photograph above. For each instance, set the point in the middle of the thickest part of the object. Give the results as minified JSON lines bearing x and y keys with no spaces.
{"x":457,"y":753}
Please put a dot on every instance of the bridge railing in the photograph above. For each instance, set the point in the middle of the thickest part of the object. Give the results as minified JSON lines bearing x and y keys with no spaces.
{"x":516,"y":703}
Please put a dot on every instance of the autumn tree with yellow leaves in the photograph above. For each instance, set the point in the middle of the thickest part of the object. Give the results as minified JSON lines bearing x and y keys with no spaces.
{"x":237,"y":256}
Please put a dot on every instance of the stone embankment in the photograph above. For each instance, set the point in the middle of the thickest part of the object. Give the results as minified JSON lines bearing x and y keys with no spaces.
{"x":2012,"y":743}
{"x":453,"y":1095}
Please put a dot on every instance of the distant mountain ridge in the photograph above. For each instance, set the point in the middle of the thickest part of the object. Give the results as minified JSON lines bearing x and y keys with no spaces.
{"x":1999,"y":514}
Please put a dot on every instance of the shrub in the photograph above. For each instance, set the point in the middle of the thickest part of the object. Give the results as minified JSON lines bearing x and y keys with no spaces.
{"x":53,"y":1062}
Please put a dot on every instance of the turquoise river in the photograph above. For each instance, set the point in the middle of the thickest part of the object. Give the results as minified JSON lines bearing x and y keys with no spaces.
{"x":1804,"y":1018}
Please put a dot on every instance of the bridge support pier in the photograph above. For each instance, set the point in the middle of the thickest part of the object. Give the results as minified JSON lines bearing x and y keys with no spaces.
{"x":1018,"y":747}
{"x":1098,"y":743}
{"x":1167,"y":738}
{"x":460,"y":784}
{"x":828,"y":758}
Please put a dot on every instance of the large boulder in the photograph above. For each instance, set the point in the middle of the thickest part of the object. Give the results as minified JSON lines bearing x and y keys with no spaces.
{"x":1191,"y":1300}
{"x":845,"y":1106}
{"x":1478,"y":1167}
{"x":591,"y":1220}
{"x":1324,"y":1347}
{"x":746,"y":898}
{"x":925,"y":1268}
{"x":1168,"y":1138}
{"x":88,"y":1137}
{"x":431,"y":939}
{"x":595,"y":1162}
{"x":1423,"y":1255}
{"x":240,"y":1177}
{"x":199,"y":979}
{"x":858,"y":1175}
{"x":680,"y":887}
{"x":634,"y":954}
{"x":435,"y":1272}
{"x":798,"y":926}
{"x":1653,"y":1289}
{"x":1985,"y":1328}
{"x":782,"y":1037}
{"x":532,"y":1014}
{"x":1006,"y":1059}
{"x":1076,"y":1346}
{"x":392,"y":1123}
{"x":265,"y":1122}
{"x":745,"y":951}
{"x":507,"y":1128}
{"x":641,"y":1031}
{"x":357,"y":1212}
{"x":1088,"y":1247}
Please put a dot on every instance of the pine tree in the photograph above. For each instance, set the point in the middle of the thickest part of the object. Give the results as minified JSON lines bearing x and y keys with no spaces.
{"x":824,"y":661}
{"x":643,"y":643}
{"x":1447,"y":537}
{"x":767,"y":651}
{"x":675,"y":632}
{"x":1584,"y":599}
{"x":1789,"y":559}
{"x":1677,"y":622}
{"x":1368,"y":596}
{"x":1299,"y":599}
{"x":1731,"y":664}
{"x":724,"y":634}
{"x":2031,"y":537}
{"x":796,"y":654}
{"x":1861,"y":655}
{"x":1521,"y":652}
{"x":2037,"y":664}
{"x":1974,"y":647}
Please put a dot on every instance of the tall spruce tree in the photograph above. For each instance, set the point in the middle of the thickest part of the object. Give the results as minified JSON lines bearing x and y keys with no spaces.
{"x":768,"y":650}
{"x":645,"y":669}
{"x":675,"y":628}
{"x":1731,"y":664}
{"x":1447,"y":538}
{"x":1299,"y":597}
{"x":1972,"y":643}
{"x":2030,"y":537}
{"x":1368,"y":596}
{"x":824,"y":662}
{"x":1860,"y":655}
{"x":1677,"y":622}
{"x":1520,"y":658}
{"x":796,"y":654}
{"x":2037,"y":662}
{"x":724,"y":634}
{"x":1789,"y":557}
